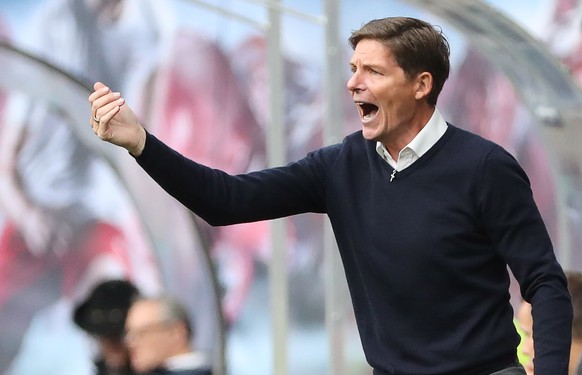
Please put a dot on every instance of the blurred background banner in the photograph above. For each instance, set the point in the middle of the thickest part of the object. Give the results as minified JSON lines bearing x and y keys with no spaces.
{"x":238,"y":85}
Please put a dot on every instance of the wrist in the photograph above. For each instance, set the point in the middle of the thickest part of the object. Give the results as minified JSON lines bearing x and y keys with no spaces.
{"x":140,"y":144}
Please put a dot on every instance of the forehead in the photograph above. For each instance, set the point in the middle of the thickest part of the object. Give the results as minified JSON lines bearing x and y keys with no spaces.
{"x":143,"y":311}
{"x":369,"y":51}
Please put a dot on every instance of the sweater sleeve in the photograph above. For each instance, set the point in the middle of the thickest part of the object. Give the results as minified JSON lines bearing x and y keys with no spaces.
{"x":223,"y":199}
{"x":520,"y":236}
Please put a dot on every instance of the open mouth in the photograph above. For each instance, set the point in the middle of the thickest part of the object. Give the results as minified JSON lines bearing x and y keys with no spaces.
{"x":367,"y":110}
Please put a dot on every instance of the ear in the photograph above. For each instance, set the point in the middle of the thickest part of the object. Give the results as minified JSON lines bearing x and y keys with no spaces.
{"x":423,"y":85}
{"x":179,"y":330}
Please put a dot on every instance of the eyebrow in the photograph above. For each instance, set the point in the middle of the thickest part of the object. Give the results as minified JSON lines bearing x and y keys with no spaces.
{"x":367,"y":66}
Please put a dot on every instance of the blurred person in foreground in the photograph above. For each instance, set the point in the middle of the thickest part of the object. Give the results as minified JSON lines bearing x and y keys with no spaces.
{"x":427,"y":216}
{"x":159,"y":336}
{"x":102,"y":315}
{"x":525,"y":321}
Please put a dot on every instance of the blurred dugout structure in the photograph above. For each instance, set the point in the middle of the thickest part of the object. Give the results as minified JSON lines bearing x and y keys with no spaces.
{"x":544,"y":87}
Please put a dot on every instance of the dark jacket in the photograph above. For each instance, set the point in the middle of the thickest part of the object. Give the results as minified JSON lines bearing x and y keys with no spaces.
{"x":101,"y":369}
{"x":425,"y":253}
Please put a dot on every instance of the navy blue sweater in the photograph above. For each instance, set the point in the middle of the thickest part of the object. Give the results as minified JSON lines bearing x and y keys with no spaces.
{"x":425,"y":255}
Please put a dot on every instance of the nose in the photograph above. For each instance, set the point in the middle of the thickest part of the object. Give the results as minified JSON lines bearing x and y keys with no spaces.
{"x":355,"y":83}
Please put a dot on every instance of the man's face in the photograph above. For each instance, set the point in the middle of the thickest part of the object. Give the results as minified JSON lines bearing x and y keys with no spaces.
{"x":384,"y":96}
{"x":147,"y":336}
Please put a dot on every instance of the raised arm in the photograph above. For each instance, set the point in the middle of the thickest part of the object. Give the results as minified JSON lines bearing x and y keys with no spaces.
{"x":214,"y":195}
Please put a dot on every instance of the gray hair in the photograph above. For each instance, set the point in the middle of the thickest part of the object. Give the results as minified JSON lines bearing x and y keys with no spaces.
{"x":173,"y":310}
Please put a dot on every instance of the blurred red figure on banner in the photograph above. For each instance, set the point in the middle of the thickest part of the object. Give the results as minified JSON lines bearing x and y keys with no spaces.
{"x":59,"y":238}
{"x":203,"y":114}
{"x":563,"y":35}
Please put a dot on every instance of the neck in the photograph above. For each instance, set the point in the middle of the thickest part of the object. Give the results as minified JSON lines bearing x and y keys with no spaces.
{"x":409,"y":131}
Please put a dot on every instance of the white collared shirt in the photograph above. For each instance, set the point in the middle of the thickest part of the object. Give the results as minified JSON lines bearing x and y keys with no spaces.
{"x":187,"y":361}
{"x":424,"y":140}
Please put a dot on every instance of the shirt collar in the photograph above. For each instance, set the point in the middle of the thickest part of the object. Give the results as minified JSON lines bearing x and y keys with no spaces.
{"x":429,"y":134}
{"x":424,"y":140}
{"x":187,"y":361}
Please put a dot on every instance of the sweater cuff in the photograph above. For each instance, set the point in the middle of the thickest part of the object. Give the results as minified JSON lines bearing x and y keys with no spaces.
{"x":148,"y":149}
